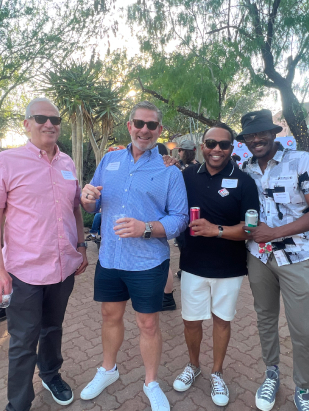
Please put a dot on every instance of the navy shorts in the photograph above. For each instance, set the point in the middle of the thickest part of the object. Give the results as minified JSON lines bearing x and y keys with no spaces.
{"x":145,"y":288}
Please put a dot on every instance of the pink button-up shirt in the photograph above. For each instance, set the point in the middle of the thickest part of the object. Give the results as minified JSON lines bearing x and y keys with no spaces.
{"x":40,"y":234}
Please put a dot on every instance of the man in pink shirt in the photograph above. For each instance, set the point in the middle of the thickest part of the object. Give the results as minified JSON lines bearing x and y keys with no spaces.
{"x":43,"y":249}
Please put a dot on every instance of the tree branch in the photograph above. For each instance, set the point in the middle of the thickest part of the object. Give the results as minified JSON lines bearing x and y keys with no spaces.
{"x":183,"y":110}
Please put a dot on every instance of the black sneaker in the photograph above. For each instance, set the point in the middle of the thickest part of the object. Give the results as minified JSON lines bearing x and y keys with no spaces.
{"x":91,"y":237}
{"x":60,"y":390}
{"x":2,"y":314}
{"x":168,"y":302}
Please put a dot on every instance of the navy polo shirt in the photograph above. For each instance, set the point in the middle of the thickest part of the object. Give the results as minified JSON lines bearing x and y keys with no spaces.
{"x":223,"y":199}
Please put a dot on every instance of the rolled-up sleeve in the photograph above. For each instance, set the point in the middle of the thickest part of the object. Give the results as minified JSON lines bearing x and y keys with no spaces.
{"x":177,"y":217}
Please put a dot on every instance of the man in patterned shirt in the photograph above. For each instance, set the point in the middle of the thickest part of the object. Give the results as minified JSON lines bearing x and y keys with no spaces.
{"x":282,"y":179}
{"x":147,"y":202}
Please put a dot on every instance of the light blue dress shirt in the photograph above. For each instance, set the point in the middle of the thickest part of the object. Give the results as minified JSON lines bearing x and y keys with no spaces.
{"x":146,"y":190}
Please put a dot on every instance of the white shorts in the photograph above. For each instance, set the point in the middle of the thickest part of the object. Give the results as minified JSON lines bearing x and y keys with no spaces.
{"x":202,"y":296}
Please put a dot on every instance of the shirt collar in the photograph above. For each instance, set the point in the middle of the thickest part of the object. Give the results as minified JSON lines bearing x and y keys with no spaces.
{"x":154,"y":152}
{"x":226,"y":172}
{"x":38,"y":152}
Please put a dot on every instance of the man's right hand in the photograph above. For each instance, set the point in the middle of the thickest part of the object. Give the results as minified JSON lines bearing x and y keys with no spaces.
{"x":5,"y":283}
{"x":90,"y":194}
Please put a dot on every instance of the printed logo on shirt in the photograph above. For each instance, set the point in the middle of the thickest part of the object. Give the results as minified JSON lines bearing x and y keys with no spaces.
{"x":223,"y":192}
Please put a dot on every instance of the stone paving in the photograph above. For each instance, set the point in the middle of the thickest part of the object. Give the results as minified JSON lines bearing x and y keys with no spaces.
{"x":82,"y":352}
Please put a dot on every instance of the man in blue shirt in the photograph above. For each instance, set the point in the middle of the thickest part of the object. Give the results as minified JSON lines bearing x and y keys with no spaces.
{"x":143,"y":204}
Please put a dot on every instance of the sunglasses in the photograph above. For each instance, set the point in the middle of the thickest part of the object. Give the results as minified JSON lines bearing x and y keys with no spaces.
{"x":250,"y":137}
{"x":151,"y":125}
{"x":40,"y":119}
{"x":224,"y":144}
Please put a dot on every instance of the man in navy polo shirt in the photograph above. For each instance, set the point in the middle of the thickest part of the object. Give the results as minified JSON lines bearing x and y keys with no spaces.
{"x":134,"y":253}
{"x":213,"y":262}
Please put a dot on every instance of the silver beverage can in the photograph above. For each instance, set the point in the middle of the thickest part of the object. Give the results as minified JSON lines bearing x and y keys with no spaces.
{"x":251,"y":218}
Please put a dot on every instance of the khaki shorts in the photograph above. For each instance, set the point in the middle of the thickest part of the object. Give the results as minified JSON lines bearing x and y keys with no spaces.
{"x":200,"y":297}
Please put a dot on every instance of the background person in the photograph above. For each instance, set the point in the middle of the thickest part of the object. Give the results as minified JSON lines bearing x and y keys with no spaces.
{"x":187,"y":153}
{"x":40,"y":197}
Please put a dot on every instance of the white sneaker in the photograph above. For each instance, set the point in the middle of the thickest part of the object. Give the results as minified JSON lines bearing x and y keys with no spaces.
{"x":101,"y":380}
{"x":219,"y":390}
{"x":157,"y":398}
{"x":184,"y":380}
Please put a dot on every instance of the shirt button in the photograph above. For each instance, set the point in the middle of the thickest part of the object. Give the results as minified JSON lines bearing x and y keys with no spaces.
{"x":125,"y":190}
{"x":59,"y":219}
{"x":54,"y":182}
{"x":40,"y":156}
{"x":57,"y":201}
{"x":207,"y":186}
{"x":60,"y":236}
{"x":131,"y":175}
{"x":119,"y":238}
{"x":122,"y":206}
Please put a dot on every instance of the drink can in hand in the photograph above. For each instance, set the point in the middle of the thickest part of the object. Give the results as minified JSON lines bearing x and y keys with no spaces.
{"x":251,"y":218}
{"x":195,"y":214}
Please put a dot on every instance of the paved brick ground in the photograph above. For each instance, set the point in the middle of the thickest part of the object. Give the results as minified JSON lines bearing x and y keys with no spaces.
{"x":83,"y":353}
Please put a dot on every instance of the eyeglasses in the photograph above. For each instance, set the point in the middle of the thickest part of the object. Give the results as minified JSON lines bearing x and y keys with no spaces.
{"x":250,"y":137}
{"x":40,"y":119}
{"x":151,"y":125}
{"x":223,"y":144}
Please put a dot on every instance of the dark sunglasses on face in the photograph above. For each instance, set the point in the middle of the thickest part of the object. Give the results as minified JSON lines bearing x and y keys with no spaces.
{"x":151,"y":125}
{"x":250,"y":137}
{"x":40,"y":119}
{"x":224,"y":144}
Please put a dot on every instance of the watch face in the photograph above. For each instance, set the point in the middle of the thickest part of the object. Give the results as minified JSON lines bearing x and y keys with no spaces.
{"x":147,"y":234}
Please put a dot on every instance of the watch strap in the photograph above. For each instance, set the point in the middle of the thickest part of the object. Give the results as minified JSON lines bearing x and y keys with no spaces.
{"x":81,"y":245}
{"x":220,"y":231}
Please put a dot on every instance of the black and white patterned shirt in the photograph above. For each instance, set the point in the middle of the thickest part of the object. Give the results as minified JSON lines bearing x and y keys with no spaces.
{"x":282,"y":189}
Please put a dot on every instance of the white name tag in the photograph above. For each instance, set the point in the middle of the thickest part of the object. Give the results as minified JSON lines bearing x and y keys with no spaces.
{"x":229,"y":183}
{"x":282,"y":198}
{"x":281,"y":258}
{"x":113,"y":166}
{"x":67,"y":175}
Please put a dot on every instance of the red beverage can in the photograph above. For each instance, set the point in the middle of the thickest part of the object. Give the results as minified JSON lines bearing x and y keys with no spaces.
{"x":195,"y":214}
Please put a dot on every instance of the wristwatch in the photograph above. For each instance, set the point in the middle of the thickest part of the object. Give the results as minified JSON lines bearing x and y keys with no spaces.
{"x":220,"y":231}
{"x":82,"y":245}
{"x":148,"y":231}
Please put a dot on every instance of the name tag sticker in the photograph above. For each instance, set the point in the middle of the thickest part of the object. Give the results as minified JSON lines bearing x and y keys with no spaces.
{"x":282,"y":198}
{"x":67,"y":175}
{"x":113,"y":166}
{"x":281,"y":258}
{"x":229,"y":183}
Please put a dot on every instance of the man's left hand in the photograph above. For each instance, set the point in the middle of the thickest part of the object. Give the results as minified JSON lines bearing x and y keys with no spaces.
{"x":171,"y":161}
{"x":204,"y":228}
{"x":129,"y":227}
{"x":260,"y":234}
{"x":84,"y":264}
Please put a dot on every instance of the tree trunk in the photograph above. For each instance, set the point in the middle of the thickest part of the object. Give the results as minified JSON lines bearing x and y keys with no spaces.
{"x":294,"y":116}
{"x":74,"y":142}
{"x":79,"y":146}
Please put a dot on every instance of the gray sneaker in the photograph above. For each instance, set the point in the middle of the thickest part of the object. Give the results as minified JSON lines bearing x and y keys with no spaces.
{"x":184,"y":380}
{"x":301,"y":399}
{"x":266,"y":395}
{"x":219,"y":392}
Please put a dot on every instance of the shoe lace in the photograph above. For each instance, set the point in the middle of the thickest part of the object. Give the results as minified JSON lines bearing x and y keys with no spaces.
{"x":268,"y":388}
{"x":157,"y":395}
{"x":97,"y":377}
{"x":58,"y":384}
{"x":218,"y":384}
{"x":187,"y":375}
{"x":304,"y":403}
